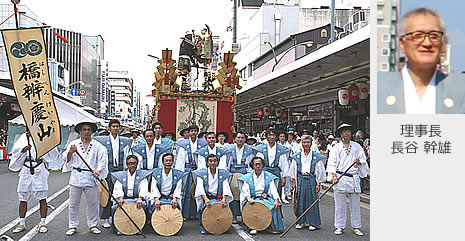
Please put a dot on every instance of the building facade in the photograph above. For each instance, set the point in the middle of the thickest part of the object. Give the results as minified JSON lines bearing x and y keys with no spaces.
{"x":121,"y":83}
{"x":387,"y":20}
{"x":293,"y":74}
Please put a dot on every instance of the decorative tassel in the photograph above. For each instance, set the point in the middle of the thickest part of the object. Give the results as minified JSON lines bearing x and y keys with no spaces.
{"x":60,"y":37}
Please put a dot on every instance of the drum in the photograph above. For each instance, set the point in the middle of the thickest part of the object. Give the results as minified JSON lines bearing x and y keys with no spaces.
{"x":256,"y":216}
{"x":102,"y":193}
{"x":216,"y":219}
{"x":122,"y":222}
{"x":167,"y":221}
{"x":294,"y":202}
{"x":235,"y":187}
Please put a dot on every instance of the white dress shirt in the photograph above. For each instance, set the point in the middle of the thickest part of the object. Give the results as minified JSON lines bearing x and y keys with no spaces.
{"x":115,"y":147}
{"x":166,"y":185}
{"x":38,"y":181}
{"x":182,"y":156}
{"x":150,"y":156}
{"x":95,"y":155}
{"x":283,"y":162}
{"x":320,"y":174}
{"x":202,"y":162}
{"x":259,"y":183}
{"x":143,"y":187}
{"x":212,"y":188}
{"x":340,"y":159}
{"x":413,"y":105}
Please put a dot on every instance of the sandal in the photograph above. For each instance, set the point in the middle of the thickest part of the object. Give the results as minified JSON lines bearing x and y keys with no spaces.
{"x":71,"y":231}
{"x":95,"y":230}
{"x":19,"y":228}
{"x":357,"y":232}
{"x":42,"y":228}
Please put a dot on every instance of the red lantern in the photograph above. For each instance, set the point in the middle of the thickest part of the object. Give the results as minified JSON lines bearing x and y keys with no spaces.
{"x":272,"y":109}
{"x":260,"y":113}
{"x":343,"y":95}
{"x":283,"y":115}
{"x":353,"y":93}
{"x":363,"y":91}
{"x":266,"y":111}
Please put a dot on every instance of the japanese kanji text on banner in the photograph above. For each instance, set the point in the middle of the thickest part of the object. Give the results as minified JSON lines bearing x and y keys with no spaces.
{"x":27,"y":59}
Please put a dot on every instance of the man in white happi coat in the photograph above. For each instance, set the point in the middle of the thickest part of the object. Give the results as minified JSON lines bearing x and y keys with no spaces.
{"x":82,"y":179}
{"x":340,"y":158}
{"x":35,"y":183}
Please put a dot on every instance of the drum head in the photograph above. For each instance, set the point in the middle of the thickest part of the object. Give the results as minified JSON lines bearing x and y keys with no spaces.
{"x":102,"y":194}
{"x":256,"y":216}
{"x":294,"y":202}
{"x":216,"y":219}
{"x":168,"y":221}
{"x":235,"y":187}
{"x":122,"y":222}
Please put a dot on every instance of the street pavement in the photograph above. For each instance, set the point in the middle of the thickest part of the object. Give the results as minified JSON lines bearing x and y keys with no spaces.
{"x":58,"y":218}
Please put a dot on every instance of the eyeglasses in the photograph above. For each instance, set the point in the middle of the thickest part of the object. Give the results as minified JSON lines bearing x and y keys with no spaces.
{"x":419,"y":36}
{"x":132,"y":163}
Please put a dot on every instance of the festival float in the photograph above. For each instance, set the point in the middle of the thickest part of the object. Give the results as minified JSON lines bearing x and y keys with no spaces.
{"x":195,"y":91}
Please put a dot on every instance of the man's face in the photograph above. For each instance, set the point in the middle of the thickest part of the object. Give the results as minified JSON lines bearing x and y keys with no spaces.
{"x":346,"y":133}
{"x":168,"y":162}
{"x":282,"y":137}
{"x":271,"y":137}
{"x":86,"y":131}
{"x":149,"y":137}
{"x":135,"y":135}
{"x":257,"y":166}
{"x":169,"y":136}
{"x":132,"y":165}
{"x":212,"y":162}
{"x":211,"y":139}
{"x":315,"y":133}
{"x":290,"y":137}
{"x":425,"y":53}
{"x":193,"y":133}
{"x":221,"y":138}
{"x":306,"y":144}
{"x":240,"y":139}
{"x":114,"y":128}
{"x":157,"y":130}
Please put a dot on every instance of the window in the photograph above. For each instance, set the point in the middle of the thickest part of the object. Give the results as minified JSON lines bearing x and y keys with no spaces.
{"x":384,"y":67}
{"x":386,"y":37}
{"x":324,"y":33}
{"x":384,"y":52}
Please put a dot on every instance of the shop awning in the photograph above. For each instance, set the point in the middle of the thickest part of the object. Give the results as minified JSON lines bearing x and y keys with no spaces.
{"x":314,"y":78}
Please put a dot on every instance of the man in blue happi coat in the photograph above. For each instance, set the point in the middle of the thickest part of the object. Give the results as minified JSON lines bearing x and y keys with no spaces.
{"x":238,"y":162}
{"x":187,"y":162}
{"x":212,"y":186}
{"x":307,"y":172}
{"x":130,"y":186}
{"x":118,"y":148}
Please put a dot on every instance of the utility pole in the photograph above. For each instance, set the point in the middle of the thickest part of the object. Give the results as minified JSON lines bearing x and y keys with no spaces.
{"x":15,"y":2}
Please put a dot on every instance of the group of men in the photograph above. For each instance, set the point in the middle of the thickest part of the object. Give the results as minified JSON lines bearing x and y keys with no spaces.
{"x":160,"y":171}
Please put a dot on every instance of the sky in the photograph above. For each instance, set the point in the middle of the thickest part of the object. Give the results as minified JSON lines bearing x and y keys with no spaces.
{"x":133,"y":29}
{"x":451,"y":12}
